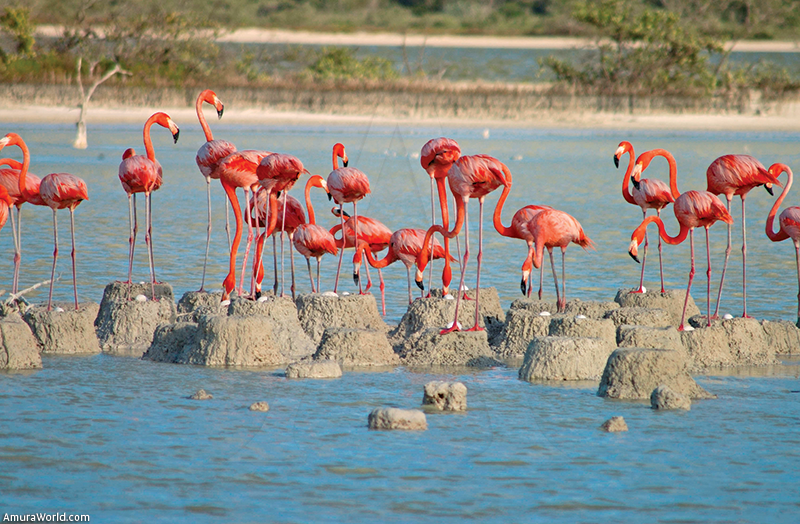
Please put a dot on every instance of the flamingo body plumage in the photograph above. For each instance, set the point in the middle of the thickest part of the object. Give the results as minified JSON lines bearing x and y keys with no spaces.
{"x":788,"y":222}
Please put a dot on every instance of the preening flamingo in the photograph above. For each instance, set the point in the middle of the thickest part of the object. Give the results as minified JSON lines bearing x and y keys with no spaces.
{"x":21,"y":187}
{"x":553,"y":228}
{"x":736,"y":175}
{"x":648,"y":193}
{"x":346,"y":184}
{"x":239,"y":170}
{"x":312,"y":240}
{"x":405,"y":245}
{"x":143,"y":174}
{"x":208,"y":157}
{"x":788,"y":222}
{"x":470,"y":177}
{"x":276,"y":173}
{"x":692,"y":209}
{"x":371,"y":231}
{"x":59,"y":191}
{"x":436,"y":158}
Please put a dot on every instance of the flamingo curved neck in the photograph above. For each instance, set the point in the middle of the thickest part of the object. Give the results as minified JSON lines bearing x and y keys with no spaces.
{"x":443,"y":202}
{"x":202,"y":118}
{"x":314,"y":181}
{"x":26,"y":162}
{"x":673,"y":170}
{"x":626,"y":180}
{"x":498,"y":211}
{"x":780,"y":234}
{"x":638,"y":234}
{"x":363,"y":248}
{"x":148,"y":143}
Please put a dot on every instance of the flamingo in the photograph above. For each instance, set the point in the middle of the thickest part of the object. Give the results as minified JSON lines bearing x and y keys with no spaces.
{"x":374,"y":233}
{"x":59,"y":191}
{"x":239,"y":170}
{"x":469,"y":177}
{"x":788,"y":222}
{"x":143,"y":174}
{"x":436,"y":158}
{"x":21,"y":187}
{"x":312,"y":240}
{"x":648,"y":193}
{"x":346,"y":184}
{"x":405,"y":245}
{"x":208,"y":157}
{"x":553,"y":228}
{"x":276,"y":172}
{"x":737,"y":175}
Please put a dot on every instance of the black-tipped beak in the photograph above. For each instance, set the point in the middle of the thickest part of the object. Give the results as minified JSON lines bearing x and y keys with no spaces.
{"x":329,"y":196}
{"x":344,"y":162}
{"x":635,"y":183}
{"x":420,"y":284}
{"x":277,"y":194}
{"x":634,"y":257}
{"x":175,"y":136}
{"x":220,"y":111}
{"x":258,"y":295}
{"x":616,"y":161}
{"x":769,"y":190}
{"x":345,"y":213}
{"x":522,"y":286}
{"x":355,"y":278}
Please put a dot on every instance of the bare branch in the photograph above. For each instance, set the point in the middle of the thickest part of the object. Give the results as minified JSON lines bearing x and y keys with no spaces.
{"x":13,"y":297}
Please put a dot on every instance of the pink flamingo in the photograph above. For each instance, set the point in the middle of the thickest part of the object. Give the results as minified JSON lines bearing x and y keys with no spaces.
{"x":346,"y":184}
{"x":59,"y":191}
{"x":208,"y":157}
{"x":143,"y":174}
{"x":238,"y":170}
{"x":312,"y":240}
{"x":648,"y":193}
{"x":5,"y":203}
{"x":788,"y":222}
{"x":405,"y":245}
{"x":470,"y":177}
{"x":436,"y":158}
{"x":553,"y":228}
{"x":737,"y":175}
{"x":22,"y":187}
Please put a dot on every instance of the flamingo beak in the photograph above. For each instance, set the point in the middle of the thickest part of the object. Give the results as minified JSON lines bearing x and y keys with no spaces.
{"x":220,"y":110}
{"x":355,"y":277}
{"x":523,"y":286}
{"x":633,"y":250}
{"x":635,"y":183}
{"x":634,"y":257}
{"x":768,"y":187}
{"x":419,"y":284}
{"x":616,"y":161}
{"x":175,"y":135}
{"x":345,"y":213}
{"x":329,"y":196}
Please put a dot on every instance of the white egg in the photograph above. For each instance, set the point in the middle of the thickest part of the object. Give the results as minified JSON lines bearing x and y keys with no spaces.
{"x":727,"y":316}
{"x":544,"y":314}
{"x":140,"y":298}
{"x":449,"y":297}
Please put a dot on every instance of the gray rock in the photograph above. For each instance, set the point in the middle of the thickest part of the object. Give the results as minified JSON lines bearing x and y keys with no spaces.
{"x":564,"y":358}
{"x":614,"y":425}
{"x":317,"y":312}
{"x":663,"y":397}
{"x":590,"y":308}
{"x":259,"y":406}
{"x":782,"y":336}
{"x":287,"y":332}
{"x":576,"y":327}
{"x":393,"y":418}
{"x":671,"y":302}
{"x":734,"y":342}
{"x":633,"y":373}
{"x":460,"y":348}
{"x":637,"y":316}
{"x":201,"y":395}
{"x":356,"y":347}
{"x":314,"y":369}
{"x":649,"y":337}
{"x":521,"y":327}
{"x":67,"y":331}
{"x":18,"y":348}
{"x":446,"y":396}
{"x":125,"y":326}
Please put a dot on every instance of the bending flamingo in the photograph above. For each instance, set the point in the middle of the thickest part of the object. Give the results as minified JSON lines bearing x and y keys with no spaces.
{"x":346,"y":184}
{"x":59,"y":191}
{"x":312,"y":240}
{"x":436,"y":158}
{"x":788,"y":222}
{"x":142,"y":174}
{"x":553,"y":228}
{"x":648,"y":193}
{"x":470,"y":177}
{"x":737,"y":175}
{"x":21,"y":187}
{"x":208,"y":157}
{"x":405,"y":245}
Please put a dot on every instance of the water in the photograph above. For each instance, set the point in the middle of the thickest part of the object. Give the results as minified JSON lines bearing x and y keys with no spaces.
{"x":118,"y":439}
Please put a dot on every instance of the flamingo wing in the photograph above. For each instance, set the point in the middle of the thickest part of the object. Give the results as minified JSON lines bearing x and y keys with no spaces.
{"x":62,"y":190}
{"x":789,"y":220}
{"x":736,"y":175}
{"x":312,"y":240}
{"x":348,"y":184}
{"x":210,"y":154}
{"x":652,"y":193}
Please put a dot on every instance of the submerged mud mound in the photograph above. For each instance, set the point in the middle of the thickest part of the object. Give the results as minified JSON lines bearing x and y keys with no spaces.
{"x":663,"y":397}
{"x":633,"y":373}
{"x":522,"y":325}
{"x":565,"y":358}
{"x":460,"y":348}
{"x":356,"y":348}
{"x":18,"y":348}
{"x":671,"y":301}
{"x":732,"y":342}
{"x":63,"y":329}
{"x":578,"y":327}
{"x":314,"y":369}
{"x":649,"y":337}
{"x":287,"y":331}
{"x":317,"y":312}
{"x":128,"y":317}
{"x":445,"y":396}
{"x":394,"y":418}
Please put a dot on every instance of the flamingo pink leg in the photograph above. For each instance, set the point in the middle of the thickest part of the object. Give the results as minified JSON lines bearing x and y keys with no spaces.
{"x":383,"y":297}
{"x":744,"y":263}
{"x":455,"y":327}
{"x":341,"y":253}
{"x":148,"y":238}
{"x":660,"y":260}
{"x":291,"y":261}
{"x":228,"y":223}
{"x":55,"y":257}
{"x":16,"y":231}
{"x":477,"y":327}
{"x":433,"y":221}
{"x":247,"y":218}
{"x":725,"y":264}
{"x":369,"y":282}
{"x":410,"y":297}
{"x":355,"y":215}
{"x":208,"y":234}
{"x":275,"y":265}
{"x":708,"y":274}
{"x":283,"y":223}
{"x":134,"y":229}
{"x":555,"y":278}
{"x":74,"y":275}
{"x":797,"y":258}
{"x":308,"y":263}
{"x":563,"y":279}
{"x":691,"y":278}
{"x":644,"y":257}
{"x":319,"y":289}
{"x":541,"y":281}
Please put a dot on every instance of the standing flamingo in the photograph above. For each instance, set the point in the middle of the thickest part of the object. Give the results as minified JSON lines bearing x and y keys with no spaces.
{"x":208,"y":157}
{"x":239,"y":170}
{"x":737,"y":175}
{"x":470,"y":177}
{"x":648,"y":193}
{"x":553,"y":228}
{"x":143,"y":174}
{"x":21,"y":187}
{"x":346,"y":184}
{"x":59,"y":191}
{"x":405,"y":245}
{"x":436,"y":158}
{"x":310,"y":239}
{"x":788,"y":222}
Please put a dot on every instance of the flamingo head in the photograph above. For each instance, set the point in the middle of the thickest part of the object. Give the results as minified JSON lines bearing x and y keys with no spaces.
{"x":338,"y":152}
{"x":776,"y":170}
{"x":128,"y":153}
{"x":11,"y":139}
{"x":624,"y":147}
{"x":218,"y":106}
{"x":418,"y":279}
{"x":164,"y":120}
{"x":633,"y":250}
{"x":438,"y":155}
{"x":768,"y":187}
{"x":637,"y":174}
{"x":339,"y":212}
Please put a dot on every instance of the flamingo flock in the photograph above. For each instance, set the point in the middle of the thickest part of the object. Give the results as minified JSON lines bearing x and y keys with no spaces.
{"x":269,"y":211}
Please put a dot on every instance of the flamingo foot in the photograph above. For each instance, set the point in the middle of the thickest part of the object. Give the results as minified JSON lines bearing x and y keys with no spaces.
{"x":745,"y":315}
{"x":476,"y":327}
{"x":641,"y":289}
{"x":685,"y":328}
{"x":465,"y":297}
{"x":454,"y":327}
{"x":663,"y":290}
